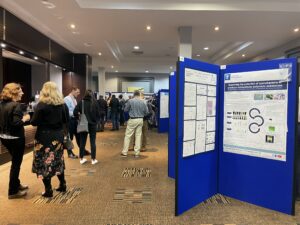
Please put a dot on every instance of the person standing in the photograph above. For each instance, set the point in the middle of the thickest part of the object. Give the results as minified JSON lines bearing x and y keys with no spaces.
{"x":71,"y":102}
{"x":102,"y":109}
{"x":137,"y":109}
{"x":122,"y":106}
{"x":13,"y":135}
{"x":145,"y":124}
{"x":91,"y":111}
{"x":114,"y":108}
{"x":50,"y":116}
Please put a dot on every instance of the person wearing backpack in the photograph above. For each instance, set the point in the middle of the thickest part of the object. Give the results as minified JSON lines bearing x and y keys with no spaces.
{"x":13,"y":135}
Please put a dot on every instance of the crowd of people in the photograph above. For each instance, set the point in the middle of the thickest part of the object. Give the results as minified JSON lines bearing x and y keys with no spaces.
{"x":57,"y":117}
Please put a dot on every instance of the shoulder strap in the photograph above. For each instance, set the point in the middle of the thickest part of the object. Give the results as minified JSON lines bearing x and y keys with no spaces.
{"x":82,"y":111}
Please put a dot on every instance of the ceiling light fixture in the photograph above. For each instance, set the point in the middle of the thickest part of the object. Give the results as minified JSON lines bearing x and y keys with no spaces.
{"x":136,"y":47}
{"x":243,"y":55}
{"x":296,"y":29}
{"x":73,"y":26}
{"x":99,"y":53}
{"x":36,"y":58}
{"x":206,"y":48}
{"x":75,"y":32}
{"x":3,"y":45}
{"x":56,"y":66}
{"x":147,"y":71}
{"x":87,"y":44}
{"x":171,"y":67}
{"x":21,"y":52}
{"x":117,"y":71}
{"x":112,"y":66}
{"x":198,"y":55}
{"x":217,"y":28}
{"x":148,"y":27}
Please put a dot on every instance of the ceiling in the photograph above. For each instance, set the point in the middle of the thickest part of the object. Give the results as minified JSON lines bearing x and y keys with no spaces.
{"x":114,"y":27}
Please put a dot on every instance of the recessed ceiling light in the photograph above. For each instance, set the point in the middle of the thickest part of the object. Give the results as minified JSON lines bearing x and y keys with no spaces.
{"x":36,"y":58}
{"x":99,"y":53}
{"x":147,"y":71}
{"x":21,"y":52}
{"x":3,"y":45}
{"x":75,"y":32}
{"x":117,"y":71}
{"x":198,"y":55}
{"x":148,"y":27}
{"x":206,"y":48}
{"x":112,"y":66}
{"x":73,"y":26}
{"x":243,"y":55}
{"x":217,"y":28}
{"x":171,"y":67}
{"x":56,"y":66}
{"x":296,"y":29}
{"x":136,"y":47}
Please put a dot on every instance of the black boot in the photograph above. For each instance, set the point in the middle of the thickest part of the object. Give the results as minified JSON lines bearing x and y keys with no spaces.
{"x":48,"y":188}
{"x":62,"y":183}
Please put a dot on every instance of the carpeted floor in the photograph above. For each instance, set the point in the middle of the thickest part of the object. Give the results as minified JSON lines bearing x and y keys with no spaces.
{"x":127,"y":191}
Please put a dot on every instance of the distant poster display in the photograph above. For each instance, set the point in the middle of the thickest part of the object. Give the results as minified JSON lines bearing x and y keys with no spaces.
{"x":255,"y":113}
{"x":199,"y":112}
{"x":164,"y":105}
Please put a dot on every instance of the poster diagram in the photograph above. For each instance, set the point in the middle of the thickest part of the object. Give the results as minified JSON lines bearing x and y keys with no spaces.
{"x":199,"y":112}
{"x":164,"y":104}
{"x":255,"y":113}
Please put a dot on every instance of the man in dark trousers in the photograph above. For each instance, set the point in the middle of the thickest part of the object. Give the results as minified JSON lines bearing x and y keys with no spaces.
{"x":114,"y":109}
{"x":102,"y":108}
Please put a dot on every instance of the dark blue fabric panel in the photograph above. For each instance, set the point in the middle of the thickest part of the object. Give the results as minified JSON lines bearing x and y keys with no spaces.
{"x":163,"y":123}
{"x":172,"y":126}
{"x":196,"y":176}
{"x":264,"y":182}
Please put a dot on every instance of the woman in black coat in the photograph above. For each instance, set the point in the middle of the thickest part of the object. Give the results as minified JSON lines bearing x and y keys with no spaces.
{"x":92,"y":113}
{"x":50,"y":116}
{"x":12,"y":135}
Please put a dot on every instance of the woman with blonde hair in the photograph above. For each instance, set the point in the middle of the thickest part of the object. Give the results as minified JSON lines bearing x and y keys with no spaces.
{"x":50,"y":115}
{"x":12,"y":135}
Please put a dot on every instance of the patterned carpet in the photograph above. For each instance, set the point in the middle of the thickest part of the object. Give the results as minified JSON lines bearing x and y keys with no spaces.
{"x":123,"y":191}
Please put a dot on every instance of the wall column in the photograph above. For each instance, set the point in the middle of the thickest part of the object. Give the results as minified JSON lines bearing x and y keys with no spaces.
{"x":185,"y":41}
{"x":101,"y":80}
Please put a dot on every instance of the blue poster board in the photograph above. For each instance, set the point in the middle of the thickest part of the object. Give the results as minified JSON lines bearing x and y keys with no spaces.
{"x":172,"y":126}
{"x":196,"y":175}
{"x":163,"y":114}
{"x":261,"y":181}
{"x":265,"y":177}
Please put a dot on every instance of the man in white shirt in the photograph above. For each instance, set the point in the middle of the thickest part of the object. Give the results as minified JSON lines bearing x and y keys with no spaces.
{"x":71,"y":102}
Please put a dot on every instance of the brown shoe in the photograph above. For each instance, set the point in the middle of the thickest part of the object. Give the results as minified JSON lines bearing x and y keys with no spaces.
{"x":143,"y":150}
{"x":19,"y":194}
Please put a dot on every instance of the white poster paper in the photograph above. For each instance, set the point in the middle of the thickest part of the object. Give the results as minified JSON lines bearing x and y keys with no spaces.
{"x":201,"y":107}
{"x":211,"y":123}
{"x":200,"y":136}
{"x":210,"y":147}
{"x":164,"y":105}
{"x":189,"y":113}
{"x":211,"y":106}
{"x":210,"y":137}
{"x":188,"y":148}
{"x":255,"y":113}
{"x":201,"y":89}
{"x":200,"y":77}
{"x":189,"y":130}
{"x":190,"y":91}
{"x":211,"y":91}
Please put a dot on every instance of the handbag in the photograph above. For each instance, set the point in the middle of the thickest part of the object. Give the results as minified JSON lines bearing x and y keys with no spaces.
{"x":83,"y":124}
{"x":67,"y":143}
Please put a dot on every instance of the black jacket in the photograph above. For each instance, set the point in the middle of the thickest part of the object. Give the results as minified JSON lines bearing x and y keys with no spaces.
{"x":50,"y":117}
{"x":91,"y":110}
{"x":102,"y":105}
{"x":11,"y":119}
{"x":114,"y":105}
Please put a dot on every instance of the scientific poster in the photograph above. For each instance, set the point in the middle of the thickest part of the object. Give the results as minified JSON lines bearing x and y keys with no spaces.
{"x":199,"y":112}
{"x":164,"y":104}
{"x":255,"y":113}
